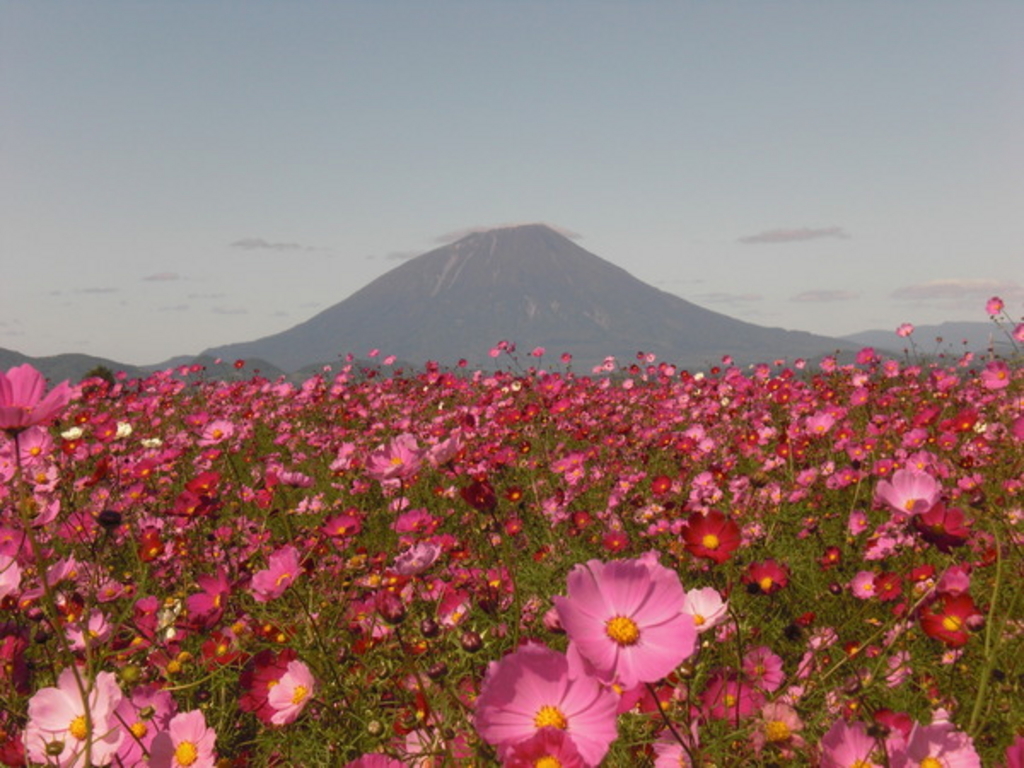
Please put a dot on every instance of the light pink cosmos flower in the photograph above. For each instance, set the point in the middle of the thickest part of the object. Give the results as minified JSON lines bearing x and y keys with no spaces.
{"x":10,"y":576}
{"x":187,"y":743}
{"x":530,"y":689}
{"x":905,"y":329}
{"x":994,"y":306}
{"x":625,"y":618}
{"x":58,"y":731}
{"x":146,"y":713}
{"x":706,"y":607}
{"x":910,"y":492}
{"x":397,"y":460}
{"x":996,"y":375}
{"x":938,"y":744}
{"x":23,"y":403}
{"x":293,"y":691}
{"x":848,"y":745}
{"x":279,"y":574}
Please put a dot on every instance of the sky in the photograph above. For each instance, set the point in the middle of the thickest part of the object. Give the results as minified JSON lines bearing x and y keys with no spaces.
{"x":180,"y":175}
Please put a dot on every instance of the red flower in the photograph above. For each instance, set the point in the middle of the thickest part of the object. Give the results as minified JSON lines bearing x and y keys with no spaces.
{"x":713,"y":536}
{"x":945,"y":528}
{"x":949,"y":618}
{"x":766,"y":577}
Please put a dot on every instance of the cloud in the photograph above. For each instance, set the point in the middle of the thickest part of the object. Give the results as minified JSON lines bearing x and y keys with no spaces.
{"x":229,"y":311}
{"x":162,"y":277}
{"x":959,"y":289}
{"x":458,"y":234}
{"x":822,"y":295}
{"x":175,"y":308}
{"x":794,"y":235}
{"x":97,"y":290}
{"x":259,"y":244}
{"x":729,"y":298}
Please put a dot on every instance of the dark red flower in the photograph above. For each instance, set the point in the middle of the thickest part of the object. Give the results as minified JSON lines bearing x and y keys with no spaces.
{"x":949,"y":618}
{"x":713,"y":536}
{"x":766,"y":577}
{"x":944,"y":527}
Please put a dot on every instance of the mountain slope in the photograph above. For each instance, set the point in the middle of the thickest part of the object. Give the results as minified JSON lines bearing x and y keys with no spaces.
{"x":530,"y":285}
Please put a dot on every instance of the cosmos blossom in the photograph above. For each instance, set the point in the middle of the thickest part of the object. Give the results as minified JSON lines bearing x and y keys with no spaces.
{"x":530,"y":689}
{"x":848,"y":745}
{"x":187,"y":743}
{"x":279,"y":574}
{"x":625,"y":619}
{"x":63,"y":727}
{"x":713,"y":536}
{"x":24,"y":401}
{"x":910,"y":492}
{"x":292,"y":692}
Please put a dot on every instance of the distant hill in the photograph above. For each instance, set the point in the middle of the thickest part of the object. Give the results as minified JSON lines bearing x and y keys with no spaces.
{"x":945,"y":338}
{"x":532,"y":286}
{"x":69,"y":366}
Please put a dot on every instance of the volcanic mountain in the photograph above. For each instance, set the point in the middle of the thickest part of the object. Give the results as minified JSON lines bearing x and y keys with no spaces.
{"x":528,"y":285}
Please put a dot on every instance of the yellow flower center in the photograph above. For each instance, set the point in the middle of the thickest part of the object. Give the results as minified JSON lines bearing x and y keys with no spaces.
{"x":776,"y":731}
{"x":698,"y":620}
{"x":548,"y":762}
{"x":186,"y":753}
{"x":622,"y":630}
{"x":765,"y":583}
{"x":79,"y":728}
{"x":138,"y":729}
{"x":549,"y":716}
{"x":396,"y":461}
{"x":952,"y":623}
{"x":710,"y":541}
{"x":299,"y":694}
{"x":282,"y":579}
{"x":730,"y":700}
{"x":931,"y":762}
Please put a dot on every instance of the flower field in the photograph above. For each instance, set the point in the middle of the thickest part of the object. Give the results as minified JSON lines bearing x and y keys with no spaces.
{"x":775,"y":565}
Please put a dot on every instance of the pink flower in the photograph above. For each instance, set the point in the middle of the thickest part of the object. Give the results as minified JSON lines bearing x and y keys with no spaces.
{"x":996,"y":375}
{"x":146,"y":713}
{"x":398,"y":460}
{"x":910,"y":492}
{"x":22,"y":403}
{"x":994,"y":306}
{"x":291,"y":694}
{"x":187,"y":743}
{"x":10,"y":576}
{"x":1015,"y":753}
{"x":1018,"y":333}
{"x":904,"y":330}
{"x":548,"y":746}
{"x":59,"y":732}
{"x":848,"y":745}
{"x":706,"y":607}
{"x":530,"y":689}
{"x":763,"y":668}
{"x":625,"y":619}
{"x":279,"y":574}
{"x":938,"y":744}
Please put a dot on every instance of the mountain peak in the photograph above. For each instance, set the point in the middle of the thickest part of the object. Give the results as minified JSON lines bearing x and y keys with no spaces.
{"x":529,"y":284}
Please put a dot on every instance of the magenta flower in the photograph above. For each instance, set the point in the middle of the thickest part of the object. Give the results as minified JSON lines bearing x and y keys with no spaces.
{"x":994,"y":306}
{"x":187,"y":743}
{"x":910,"y":492}
{"x":279,"y":574}
{"x":22,"y":400}
{"x":549,"y":746}
{"x":375,"y":760}
{"x":293,"y":691}
{"x":60,"y":733}
{"x":625,"y":618}
{"x":530,"y":689}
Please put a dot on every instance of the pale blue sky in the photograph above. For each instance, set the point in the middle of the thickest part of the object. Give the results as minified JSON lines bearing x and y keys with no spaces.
{"x":177,"y":175}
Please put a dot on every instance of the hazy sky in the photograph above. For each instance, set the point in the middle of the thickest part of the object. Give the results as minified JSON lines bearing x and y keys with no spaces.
{"x":177,"y":175}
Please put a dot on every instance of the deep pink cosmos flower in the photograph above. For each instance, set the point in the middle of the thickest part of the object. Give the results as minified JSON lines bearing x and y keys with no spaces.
{"x":727,"y":697}
{"x":765,"y":577}
{"x":910,"y":492}
{"x":548,"y":747}
{"x":293,"y":691}
{"x":261,"y":675}
{"x":23,"y":403}
{"x":625,"y":619}
{"x":187,"y":743}
{"x":372,"y":760}
{"x":58,"y":731}
{"x":530,"y":689}
{"x":994,"y":306}
{"x":950,"y":618}
{"x":279,"y":574}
